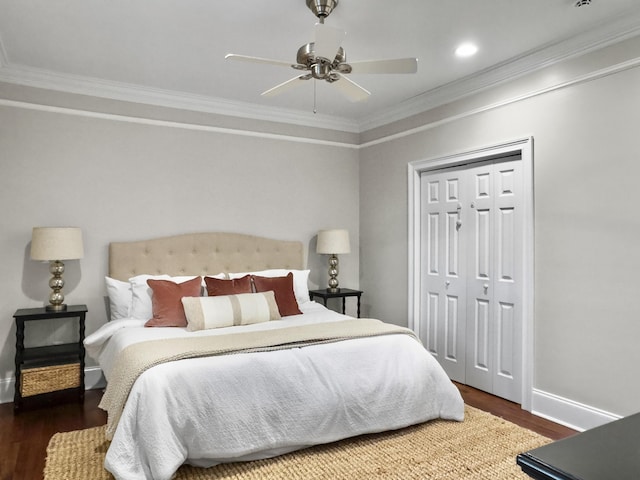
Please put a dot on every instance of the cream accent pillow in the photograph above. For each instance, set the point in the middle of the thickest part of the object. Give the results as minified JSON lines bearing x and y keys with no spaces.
{"x":228,"y":310}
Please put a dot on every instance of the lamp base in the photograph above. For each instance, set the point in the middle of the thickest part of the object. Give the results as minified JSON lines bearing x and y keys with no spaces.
{"x":333,"y":274}
{"x":56,"y":298}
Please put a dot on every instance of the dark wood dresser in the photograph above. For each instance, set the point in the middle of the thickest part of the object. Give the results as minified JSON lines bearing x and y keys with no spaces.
{"x":608,"y":452}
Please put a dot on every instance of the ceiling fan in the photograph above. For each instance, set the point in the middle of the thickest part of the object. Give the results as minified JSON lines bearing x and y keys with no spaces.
{"x":325,"y":59}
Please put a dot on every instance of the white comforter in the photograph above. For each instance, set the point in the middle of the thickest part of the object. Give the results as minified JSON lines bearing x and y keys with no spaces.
{"x":205,"y":411}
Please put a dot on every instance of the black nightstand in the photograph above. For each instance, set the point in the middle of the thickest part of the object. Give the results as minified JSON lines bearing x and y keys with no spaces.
{"x":341,"y":293}
{"x":51,"y":368}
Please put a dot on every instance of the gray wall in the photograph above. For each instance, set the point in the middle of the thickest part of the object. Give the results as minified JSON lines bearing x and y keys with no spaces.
{"x":119,"y":179}
{"x":587,"y":226}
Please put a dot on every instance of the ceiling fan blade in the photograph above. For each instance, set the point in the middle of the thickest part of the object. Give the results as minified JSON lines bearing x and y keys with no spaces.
{"x":328,"y":41}
{"x":284,"y":86}
{"x":247,"y":58}
{"x":397,"y":65}
{"x":351,"y":89}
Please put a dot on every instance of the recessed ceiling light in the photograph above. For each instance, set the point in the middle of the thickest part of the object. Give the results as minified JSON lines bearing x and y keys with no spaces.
{"x":466,"y":50}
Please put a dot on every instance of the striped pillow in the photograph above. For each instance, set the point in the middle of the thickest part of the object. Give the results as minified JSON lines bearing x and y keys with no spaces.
{"x":227,"y":310}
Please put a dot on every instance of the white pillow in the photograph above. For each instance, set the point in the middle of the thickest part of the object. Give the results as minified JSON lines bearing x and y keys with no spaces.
{"x":120,"y":298}
{"x":300,"y":280}
{"x":141,"y":306}
{"x":227,"y":310}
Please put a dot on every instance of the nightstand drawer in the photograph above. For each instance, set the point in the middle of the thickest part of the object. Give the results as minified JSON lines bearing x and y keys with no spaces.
{"x":35,"y":381}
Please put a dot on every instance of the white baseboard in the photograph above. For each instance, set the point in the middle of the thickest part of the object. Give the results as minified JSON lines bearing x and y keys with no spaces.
{"x":93,"y":379}
{"x":6,"y":389}
{"x":569,"y":413}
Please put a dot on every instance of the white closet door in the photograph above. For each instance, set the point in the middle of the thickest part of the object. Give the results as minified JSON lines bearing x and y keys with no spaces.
{"x":508,"y":280}
{"x":480,"y":243}
{"x":471,"y":303}
{"x":443,"y":298}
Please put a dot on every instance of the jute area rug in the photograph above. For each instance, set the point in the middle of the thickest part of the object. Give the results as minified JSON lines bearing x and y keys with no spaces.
{"x":481,"y":447}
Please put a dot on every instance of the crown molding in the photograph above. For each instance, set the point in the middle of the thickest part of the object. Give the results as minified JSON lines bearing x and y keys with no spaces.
{"x":46,"y":79}
{"x":594,"y":75}
{"x":622,"y":28}
{"x":619,"y":29}
{"x":173,"y":124}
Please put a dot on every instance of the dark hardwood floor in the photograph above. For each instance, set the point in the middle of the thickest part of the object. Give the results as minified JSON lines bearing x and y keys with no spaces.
{"x":24,"y":437}
{"x":512,"y":412}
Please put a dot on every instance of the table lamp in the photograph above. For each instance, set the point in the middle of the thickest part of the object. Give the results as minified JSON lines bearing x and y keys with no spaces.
{"x":333,"y":242}
{"x":54,"y":244}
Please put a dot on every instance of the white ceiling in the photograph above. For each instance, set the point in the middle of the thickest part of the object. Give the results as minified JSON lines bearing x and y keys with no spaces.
{"x":171,"y":52}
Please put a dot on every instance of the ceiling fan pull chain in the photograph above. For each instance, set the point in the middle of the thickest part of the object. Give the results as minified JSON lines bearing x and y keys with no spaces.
{"x":315,"y":82}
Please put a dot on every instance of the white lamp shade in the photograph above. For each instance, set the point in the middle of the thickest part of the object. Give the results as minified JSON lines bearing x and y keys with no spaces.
{"x":333,"y":241}
{"x":56,"y":243}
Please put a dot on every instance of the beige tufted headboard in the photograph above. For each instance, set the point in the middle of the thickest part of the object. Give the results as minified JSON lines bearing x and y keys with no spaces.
{"x":202,"y":254}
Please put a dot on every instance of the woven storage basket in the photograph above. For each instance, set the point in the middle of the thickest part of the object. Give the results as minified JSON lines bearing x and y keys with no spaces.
{"x":35,"y":381}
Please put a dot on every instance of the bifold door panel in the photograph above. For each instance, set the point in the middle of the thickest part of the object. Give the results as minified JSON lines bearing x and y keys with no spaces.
{"x":471,"y":273}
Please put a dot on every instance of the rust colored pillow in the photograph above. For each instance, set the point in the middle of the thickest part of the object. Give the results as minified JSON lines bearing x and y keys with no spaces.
{"x":282,"y":287}
{"x":166,"y":301}
{"x":217,"y":286}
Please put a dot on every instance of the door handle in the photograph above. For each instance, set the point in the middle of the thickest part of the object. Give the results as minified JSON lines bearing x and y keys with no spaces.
{"x":486,"y":288}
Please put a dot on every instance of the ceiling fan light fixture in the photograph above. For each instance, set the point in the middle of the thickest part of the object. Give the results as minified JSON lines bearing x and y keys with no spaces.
{"x":322,"y":8}
{"x":321,"y":70}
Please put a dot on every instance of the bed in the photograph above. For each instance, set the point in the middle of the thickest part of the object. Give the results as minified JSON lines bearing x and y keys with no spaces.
{"x":214,"y":391}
